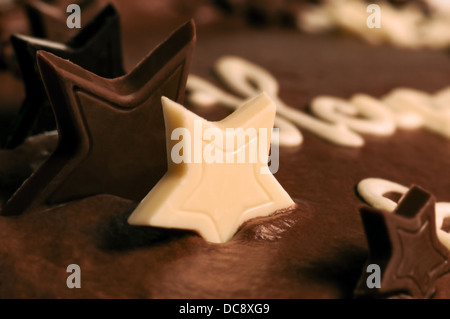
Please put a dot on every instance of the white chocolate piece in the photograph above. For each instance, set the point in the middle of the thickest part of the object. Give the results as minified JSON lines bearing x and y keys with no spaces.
{"x":214,"y":199}
{"x":373,"y":189}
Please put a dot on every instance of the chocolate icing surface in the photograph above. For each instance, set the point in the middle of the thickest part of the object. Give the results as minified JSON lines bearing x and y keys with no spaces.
{"x":315,"y":251}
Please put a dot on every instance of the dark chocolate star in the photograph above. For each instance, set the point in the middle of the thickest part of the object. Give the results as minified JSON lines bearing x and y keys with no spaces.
{"x":48,"y":19}
{"x":97,"y":48}
{"x":112,"y":134}
{"x":405,"y":245}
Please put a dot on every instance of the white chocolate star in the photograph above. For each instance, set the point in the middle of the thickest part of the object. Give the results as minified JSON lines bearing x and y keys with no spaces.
{"x":214,"y":198}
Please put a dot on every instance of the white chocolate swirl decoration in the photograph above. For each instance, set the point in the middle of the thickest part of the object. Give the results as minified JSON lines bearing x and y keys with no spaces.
{"x":407,"y":27}
{"x":415,"y":109}
{"x":337,"y":120}
{"x":204,"y":94}
{"x":372,"y":190}
{"x":237,"y":74}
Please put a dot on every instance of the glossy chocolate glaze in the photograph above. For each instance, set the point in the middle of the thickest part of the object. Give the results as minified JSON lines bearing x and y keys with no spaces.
{"x":315,"y":251}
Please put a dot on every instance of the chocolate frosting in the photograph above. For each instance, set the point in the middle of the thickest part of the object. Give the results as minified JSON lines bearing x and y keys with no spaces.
{"x":316,"y":251}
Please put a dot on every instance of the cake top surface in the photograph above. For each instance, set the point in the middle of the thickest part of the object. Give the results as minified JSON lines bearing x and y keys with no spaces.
{"x":317,"y":250}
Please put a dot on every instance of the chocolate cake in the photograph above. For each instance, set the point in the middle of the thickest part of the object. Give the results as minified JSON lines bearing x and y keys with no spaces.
{"x":319,"y":249}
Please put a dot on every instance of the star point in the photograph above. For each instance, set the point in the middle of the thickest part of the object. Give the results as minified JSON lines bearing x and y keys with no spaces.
{"x":215,"y":198}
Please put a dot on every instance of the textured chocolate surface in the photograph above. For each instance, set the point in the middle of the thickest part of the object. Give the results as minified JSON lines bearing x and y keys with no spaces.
{"x":315,"y":251}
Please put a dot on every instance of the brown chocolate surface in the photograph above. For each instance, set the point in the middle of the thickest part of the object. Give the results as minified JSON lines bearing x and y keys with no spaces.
{"x":315,"y":251}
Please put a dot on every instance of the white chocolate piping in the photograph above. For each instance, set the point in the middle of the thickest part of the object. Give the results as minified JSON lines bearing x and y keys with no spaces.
{"x":442,"y":212}
{"x":373,"y":189}
{"x":237,"y":73}
{"x":407,"y":27}
{"x":433,"y":117}
{"x":379,"y":119}
{"x":405,"y":108}
{"x":205,"y":94}
{"x":249,"y":79}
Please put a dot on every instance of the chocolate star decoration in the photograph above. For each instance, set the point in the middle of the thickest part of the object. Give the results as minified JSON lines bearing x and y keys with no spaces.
{"x":47,"y":19}
{"x":405,"y":245}
{"x":111,"y":130}
{"x":97,"y":48}
{"x":263,"y":12}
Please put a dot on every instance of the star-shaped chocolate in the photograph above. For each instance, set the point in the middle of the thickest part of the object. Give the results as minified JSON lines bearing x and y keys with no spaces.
{"x":111,"y":130}
{"x":405,"y":245}
{"x":97,"y":48}
{"x":214,"y":196}
{"x":48,"y":19}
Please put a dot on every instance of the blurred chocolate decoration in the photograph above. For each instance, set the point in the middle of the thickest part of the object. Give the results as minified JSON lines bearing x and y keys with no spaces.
{"x":48,"y":18}
{"x":265,"y":12}
{"x":405,"y":246}
{"x":100,"y":120}
{"x":100,"y":38}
